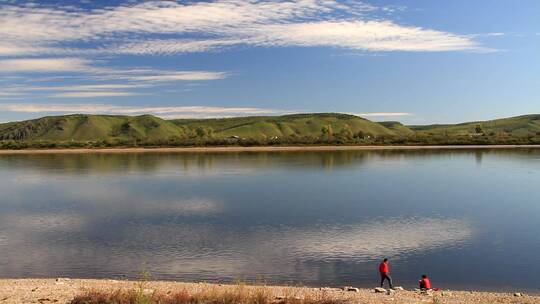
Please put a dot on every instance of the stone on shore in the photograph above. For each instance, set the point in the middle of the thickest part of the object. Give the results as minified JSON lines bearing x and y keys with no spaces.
{"x":518,"y":294}
{"x":62,"y":281}
{"x":379,"y":290}
{"x":427,"y":292}
{"x":446,"y":293}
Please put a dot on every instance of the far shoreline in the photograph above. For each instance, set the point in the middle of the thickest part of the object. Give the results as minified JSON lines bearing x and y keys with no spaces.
{"x":236,"y":149}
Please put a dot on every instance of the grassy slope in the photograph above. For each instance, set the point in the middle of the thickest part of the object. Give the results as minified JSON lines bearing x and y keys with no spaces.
{"x":299,"y":124}
{"x":110,"y":127}
{"x":90,"y":128}
{"x":397,"y":128}
{"x":517,"y":126}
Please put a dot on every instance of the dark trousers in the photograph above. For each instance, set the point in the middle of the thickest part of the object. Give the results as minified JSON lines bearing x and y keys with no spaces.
{"x":385,"y":276}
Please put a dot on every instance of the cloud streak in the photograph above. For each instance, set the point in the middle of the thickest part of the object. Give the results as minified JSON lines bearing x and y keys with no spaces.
{"x":131,"y":79}
{"x":90,"y":94}
{"x":88,"y":87}
{"x":165,"y":112}
{"x":78,"y":65}
{"x":128,"y":28}
{"x":180,"y":76}
{"x":44,"y":65}
{"x":363,"y":35}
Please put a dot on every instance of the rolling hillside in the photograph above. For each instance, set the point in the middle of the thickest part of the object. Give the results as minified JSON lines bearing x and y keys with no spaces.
{"x":398,"y":128}
{"x":114,"y":130}
{"x":526,"y":125}
{"x":89,"y":128}
{"x":108,"y":127}
{"x":281,"y":126}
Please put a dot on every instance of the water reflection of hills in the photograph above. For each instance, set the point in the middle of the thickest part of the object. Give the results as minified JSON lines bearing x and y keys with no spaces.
{"x":88,"y":163}
{"x":148,"y":162}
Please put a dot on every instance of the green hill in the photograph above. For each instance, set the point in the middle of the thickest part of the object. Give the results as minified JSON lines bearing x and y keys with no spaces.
{"x":320,"y":128}
{"x":150,"y":128}
{"x":397,"y":128}
{"x":89,"y":128}
{"x":521,"y":126}
{"x":283,"y":126}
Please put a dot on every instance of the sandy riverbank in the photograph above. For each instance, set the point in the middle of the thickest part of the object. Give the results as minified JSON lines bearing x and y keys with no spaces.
{"x":63,"y":290}
{"x":262,"y":149}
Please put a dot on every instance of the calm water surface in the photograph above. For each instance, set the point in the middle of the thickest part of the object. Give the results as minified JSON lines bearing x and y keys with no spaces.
{"x":470,"y":219}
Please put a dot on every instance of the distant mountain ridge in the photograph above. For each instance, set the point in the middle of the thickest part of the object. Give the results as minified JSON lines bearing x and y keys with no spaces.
{"x":310,"y":128}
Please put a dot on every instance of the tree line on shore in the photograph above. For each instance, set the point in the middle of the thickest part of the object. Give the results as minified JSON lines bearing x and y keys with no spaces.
{"x":204,"y":137}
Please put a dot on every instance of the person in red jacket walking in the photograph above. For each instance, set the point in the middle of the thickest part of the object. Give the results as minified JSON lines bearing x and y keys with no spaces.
{"x":383,"y":271}
{"x":424,"y":283}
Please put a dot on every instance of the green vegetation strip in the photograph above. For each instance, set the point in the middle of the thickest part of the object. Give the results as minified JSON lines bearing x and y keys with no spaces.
{"x":104,"y":131}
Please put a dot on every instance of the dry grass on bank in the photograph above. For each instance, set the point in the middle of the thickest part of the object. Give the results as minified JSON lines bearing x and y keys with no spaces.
{"x":237,"y":295}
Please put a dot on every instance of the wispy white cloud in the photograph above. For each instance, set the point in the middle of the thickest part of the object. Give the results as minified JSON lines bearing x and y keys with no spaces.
{"x":125,"y":80}
{"x":76,"y":91}
{"x":41,"y":65}
{"x":87,"y":87}
{"x":86,"y":94}
{"x":355,"y":35}
{"x":390,"y":9}
{"x":35,"y":29}
{"x":496,"y":34}
{"x":9,"y":94}
{"x":363,"y":35}
{"x":165,"y":112}
{"x":182,"y":75}
{"x":12,"y":49}
{"x":171,"y":46}
{"x":168,"y":17}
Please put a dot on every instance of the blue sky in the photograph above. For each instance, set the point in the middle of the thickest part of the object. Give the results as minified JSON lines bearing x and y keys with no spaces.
{"x":414,"y":61}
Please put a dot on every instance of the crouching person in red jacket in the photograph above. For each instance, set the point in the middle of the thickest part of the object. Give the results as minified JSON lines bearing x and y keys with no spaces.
{"x":383,"y":270}
{"x":425,"y":284}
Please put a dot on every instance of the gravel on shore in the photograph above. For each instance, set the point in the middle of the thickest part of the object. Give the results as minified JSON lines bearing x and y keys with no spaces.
{"x":61,"y":291}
